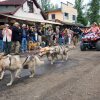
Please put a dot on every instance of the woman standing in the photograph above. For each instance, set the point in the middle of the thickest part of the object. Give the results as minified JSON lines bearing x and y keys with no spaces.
{"x":7,"y":35}
{"x":40,"y":35}
{"x":65,"y":36}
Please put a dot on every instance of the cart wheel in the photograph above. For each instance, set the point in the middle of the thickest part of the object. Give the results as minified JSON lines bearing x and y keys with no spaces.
{"x":98,"y":45}
{"x":82,"y":47}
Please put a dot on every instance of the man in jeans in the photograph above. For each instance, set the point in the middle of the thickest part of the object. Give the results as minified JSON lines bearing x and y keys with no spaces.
{"x":24,"y":34}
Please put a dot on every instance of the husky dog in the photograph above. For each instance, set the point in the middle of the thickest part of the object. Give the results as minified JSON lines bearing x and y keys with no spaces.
{"x":14,"y":63}
{"x":11,"y":63}
{"x":55,"y":51}
{"x":62,"y":52}
{"x":30,"y":62}
{"x":1,"y":55}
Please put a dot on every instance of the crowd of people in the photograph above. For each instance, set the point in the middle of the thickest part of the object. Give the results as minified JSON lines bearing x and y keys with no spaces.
{"x":95,"y":28}
{"x":15,"y":38}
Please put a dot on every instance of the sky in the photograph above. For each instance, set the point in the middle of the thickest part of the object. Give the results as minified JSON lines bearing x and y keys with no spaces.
{"x":58,"y":1}
{"x":72,"y":1}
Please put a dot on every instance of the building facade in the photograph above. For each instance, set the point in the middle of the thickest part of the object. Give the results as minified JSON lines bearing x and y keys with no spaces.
{"x":67,"y":13}
{"x":28,"y":9}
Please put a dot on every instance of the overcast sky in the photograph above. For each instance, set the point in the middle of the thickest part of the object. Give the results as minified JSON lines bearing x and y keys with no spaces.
{"x":72,"y":1}
{"x":58,"y":1}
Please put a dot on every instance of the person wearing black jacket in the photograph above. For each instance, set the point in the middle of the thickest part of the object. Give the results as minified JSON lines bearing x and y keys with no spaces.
{"x":1,"y":41}
{"x":31,"y":34}
{"x":40,"y":35}
{"x":16,"y":38}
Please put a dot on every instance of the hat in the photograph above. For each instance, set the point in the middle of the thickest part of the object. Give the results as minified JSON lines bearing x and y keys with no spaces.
{"x":6,"y":25}
{"x":95,"y":23}
{"x":16,"y":23}
{"x":24,"y":25}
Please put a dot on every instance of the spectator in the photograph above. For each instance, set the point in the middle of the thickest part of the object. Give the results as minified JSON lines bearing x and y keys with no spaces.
{"x":70,"y":32}
{"x":54,"y":37}
{"x":1,"y":41}
{"x":40,"y":35}
{"x":36,"y":34}
{"x":24,"y":38}
{"x":66,"y":36}
{"x":60,"y":38}
{"x":57,"y":33}
{"x":32,"y":34}
{"x":16,"y":38}
{"x":7,"y":35}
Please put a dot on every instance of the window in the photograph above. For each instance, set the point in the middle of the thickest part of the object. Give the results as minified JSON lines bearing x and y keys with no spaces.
{"x":53,"y":16}
{"x":30,"y":5}
{"x":66,"y":16}
{"x":74,"y":17}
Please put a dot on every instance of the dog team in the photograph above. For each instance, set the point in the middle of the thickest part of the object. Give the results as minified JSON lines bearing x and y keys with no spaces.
{"x":15,"y":63}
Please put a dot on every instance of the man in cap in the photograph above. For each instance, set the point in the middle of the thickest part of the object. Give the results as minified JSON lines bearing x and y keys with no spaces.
{"x":16,"y":38}
{"x":24,"y":37}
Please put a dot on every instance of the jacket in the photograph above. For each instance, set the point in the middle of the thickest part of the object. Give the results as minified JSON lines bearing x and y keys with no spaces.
{"x":16,"y":34}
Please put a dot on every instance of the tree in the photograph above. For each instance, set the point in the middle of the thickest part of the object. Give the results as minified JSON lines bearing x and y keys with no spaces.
{"x":56,"y":6}
{"x":80,"y":18}
{"x":94,"y":11}
{"x":52,"y":6}
{"x":45,"y":4}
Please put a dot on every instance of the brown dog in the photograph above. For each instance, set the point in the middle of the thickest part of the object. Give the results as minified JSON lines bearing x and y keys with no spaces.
{"x":32,"y":45}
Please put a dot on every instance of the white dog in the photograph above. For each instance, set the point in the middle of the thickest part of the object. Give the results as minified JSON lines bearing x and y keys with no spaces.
{"x":14,"y":63}
{"x":11,"y":63}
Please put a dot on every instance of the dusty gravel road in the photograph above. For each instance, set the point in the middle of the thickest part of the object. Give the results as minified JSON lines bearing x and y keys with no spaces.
{"x":76,"y":79}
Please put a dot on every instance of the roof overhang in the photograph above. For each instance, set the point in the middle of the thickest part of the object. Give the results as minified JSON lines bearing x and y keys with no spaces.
{"x":70,"y":24}
{"x":31,"y":19}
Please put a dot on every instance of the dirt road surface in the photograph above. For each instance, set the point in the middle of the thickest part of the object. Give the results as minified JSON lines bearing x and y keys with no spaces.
{"x":76,"y":79}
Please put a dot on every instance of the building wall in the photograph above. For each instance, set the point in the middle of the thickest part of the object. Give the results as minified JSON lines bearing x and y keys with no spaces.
{"x":24,"y":12}
{"x":58,"y":15}
{"x":7,"y":8}
{"x":70,"y":10}
{"x":65,"y":8}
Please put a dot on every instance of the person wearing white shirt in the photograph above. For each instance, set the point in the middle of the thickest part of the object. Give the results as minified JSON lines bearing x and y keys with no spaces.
{"x":7,"y":36}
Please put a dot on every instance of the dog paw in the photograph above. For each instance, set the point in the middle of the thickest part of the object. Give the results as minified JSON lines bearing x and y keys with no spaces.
{"x":9,"y":84}
{"x":66,"y":59}
{"x":18,"y":77}
{"x":0,"y":79}
{"x":31,"y":76}
{"x":51,"y":63}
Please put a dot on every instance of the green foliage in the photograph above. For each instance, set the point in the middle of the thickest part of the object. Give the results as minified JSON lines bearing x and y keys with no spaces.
{"x":94,"y":11}
{"x":83,"y":20}
{"x":47,"y":5}
{"x":80,"y":18}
